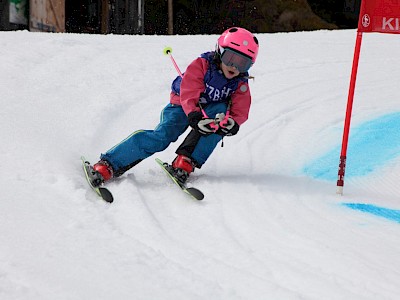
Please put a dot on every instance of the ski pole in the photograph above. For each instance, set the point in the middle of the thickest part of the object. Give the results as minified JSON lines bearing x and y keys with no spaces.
{"x":168,"y":51}
{"x":224,"y":122}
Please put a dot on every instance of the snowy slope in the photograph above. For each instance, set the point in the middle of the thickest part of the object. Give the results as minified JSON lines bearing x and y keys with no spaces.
{"x":271,"y":225}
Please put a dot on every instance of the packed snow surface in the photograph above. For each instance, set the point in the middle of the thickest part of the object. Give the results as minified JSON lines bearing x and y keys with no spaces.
{"x":271,"y":225}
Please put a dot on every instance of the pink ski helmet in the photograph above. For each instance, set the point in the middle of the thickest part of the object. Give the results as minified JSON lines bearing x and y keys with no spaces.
{"x":238,"y":47}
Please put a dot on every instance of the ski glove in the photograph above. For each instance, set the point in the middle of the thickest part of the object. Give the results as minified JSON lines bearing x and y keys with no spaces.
{"x":198,"y":123}
{"x":228,"y":127}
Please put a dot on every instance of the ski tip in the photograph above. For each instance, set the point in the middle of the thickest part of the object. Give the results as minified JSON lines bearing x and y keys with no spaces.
{"x":106,"y":195}
{"x":195,"y":193}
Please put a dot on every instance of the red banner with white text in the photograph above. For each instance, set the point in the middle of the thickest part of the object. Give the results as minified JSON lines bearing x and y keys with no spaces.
{"x":379,"y":16}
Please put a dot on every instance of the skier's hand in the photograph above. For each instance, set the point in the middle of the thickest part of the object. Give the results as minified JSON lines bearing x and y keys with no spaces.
{"x":201,"y":125}
{"x":228,"y":127}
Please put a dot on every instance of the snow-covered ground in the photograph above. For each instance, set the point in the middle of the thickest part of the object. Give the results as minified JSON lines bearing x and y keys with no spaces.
{"x":271,"y":225}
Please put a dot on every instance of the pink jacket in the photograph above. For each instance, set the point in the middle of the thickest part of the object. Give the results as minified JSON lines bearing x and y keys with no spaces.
{"x":193,"y":85}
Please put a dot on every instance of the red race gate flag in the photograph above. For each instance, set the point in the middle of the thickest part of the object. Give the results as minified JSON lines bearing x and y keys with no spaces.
{"x":375,"y":16}
{"x":379,"y":16}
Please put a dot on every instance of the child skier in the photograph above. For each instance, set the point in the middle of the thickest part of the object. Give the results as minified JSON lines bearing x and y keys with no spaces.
{"x":212,"y":97}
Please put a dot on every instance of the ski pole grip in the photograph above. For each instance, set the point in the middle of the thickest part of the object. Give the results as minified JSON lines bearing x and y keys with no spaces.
{"x":208,"y":125}
{"x":219,"y":118}
{"x":223,"y":123}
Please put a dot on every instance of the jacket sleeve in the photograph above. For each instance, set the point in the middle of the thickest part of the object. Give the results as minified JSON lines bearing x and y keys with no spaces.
{"x":241,"y":101}
{"x":193,"y":85}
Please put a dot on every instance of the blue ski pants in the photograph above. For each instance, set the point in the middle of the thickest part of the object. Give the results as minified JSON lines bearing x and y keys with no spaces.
{"x":144,"y":143}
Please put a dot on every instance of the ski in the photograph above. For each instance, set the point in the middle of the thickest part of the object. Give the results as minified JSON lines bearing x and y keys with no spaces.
{"x":193,"y":192}
{"x":102,"y":192}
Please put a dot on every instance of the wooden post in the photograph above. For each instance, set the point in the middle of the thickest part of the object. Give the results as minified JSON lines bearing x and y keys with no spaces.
{"x":47,"y":15}
{"x":170,"y":17}
{"x":105,"y":15}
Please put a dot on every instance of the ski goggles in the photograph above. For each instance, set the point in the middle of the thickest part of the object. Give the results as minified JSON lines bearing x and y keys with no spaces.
{"x":235,"y":59}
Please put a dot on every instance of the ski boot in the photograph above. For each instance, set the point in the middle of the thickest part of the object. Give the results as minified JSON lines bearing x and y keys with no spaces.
{"x":181,"y":167}
{"x":102,"y":171}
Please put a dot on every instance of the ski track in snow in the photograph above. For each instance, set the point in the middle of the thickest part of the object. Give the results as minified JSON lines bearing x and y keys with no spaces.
{"x":271,"y":225}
